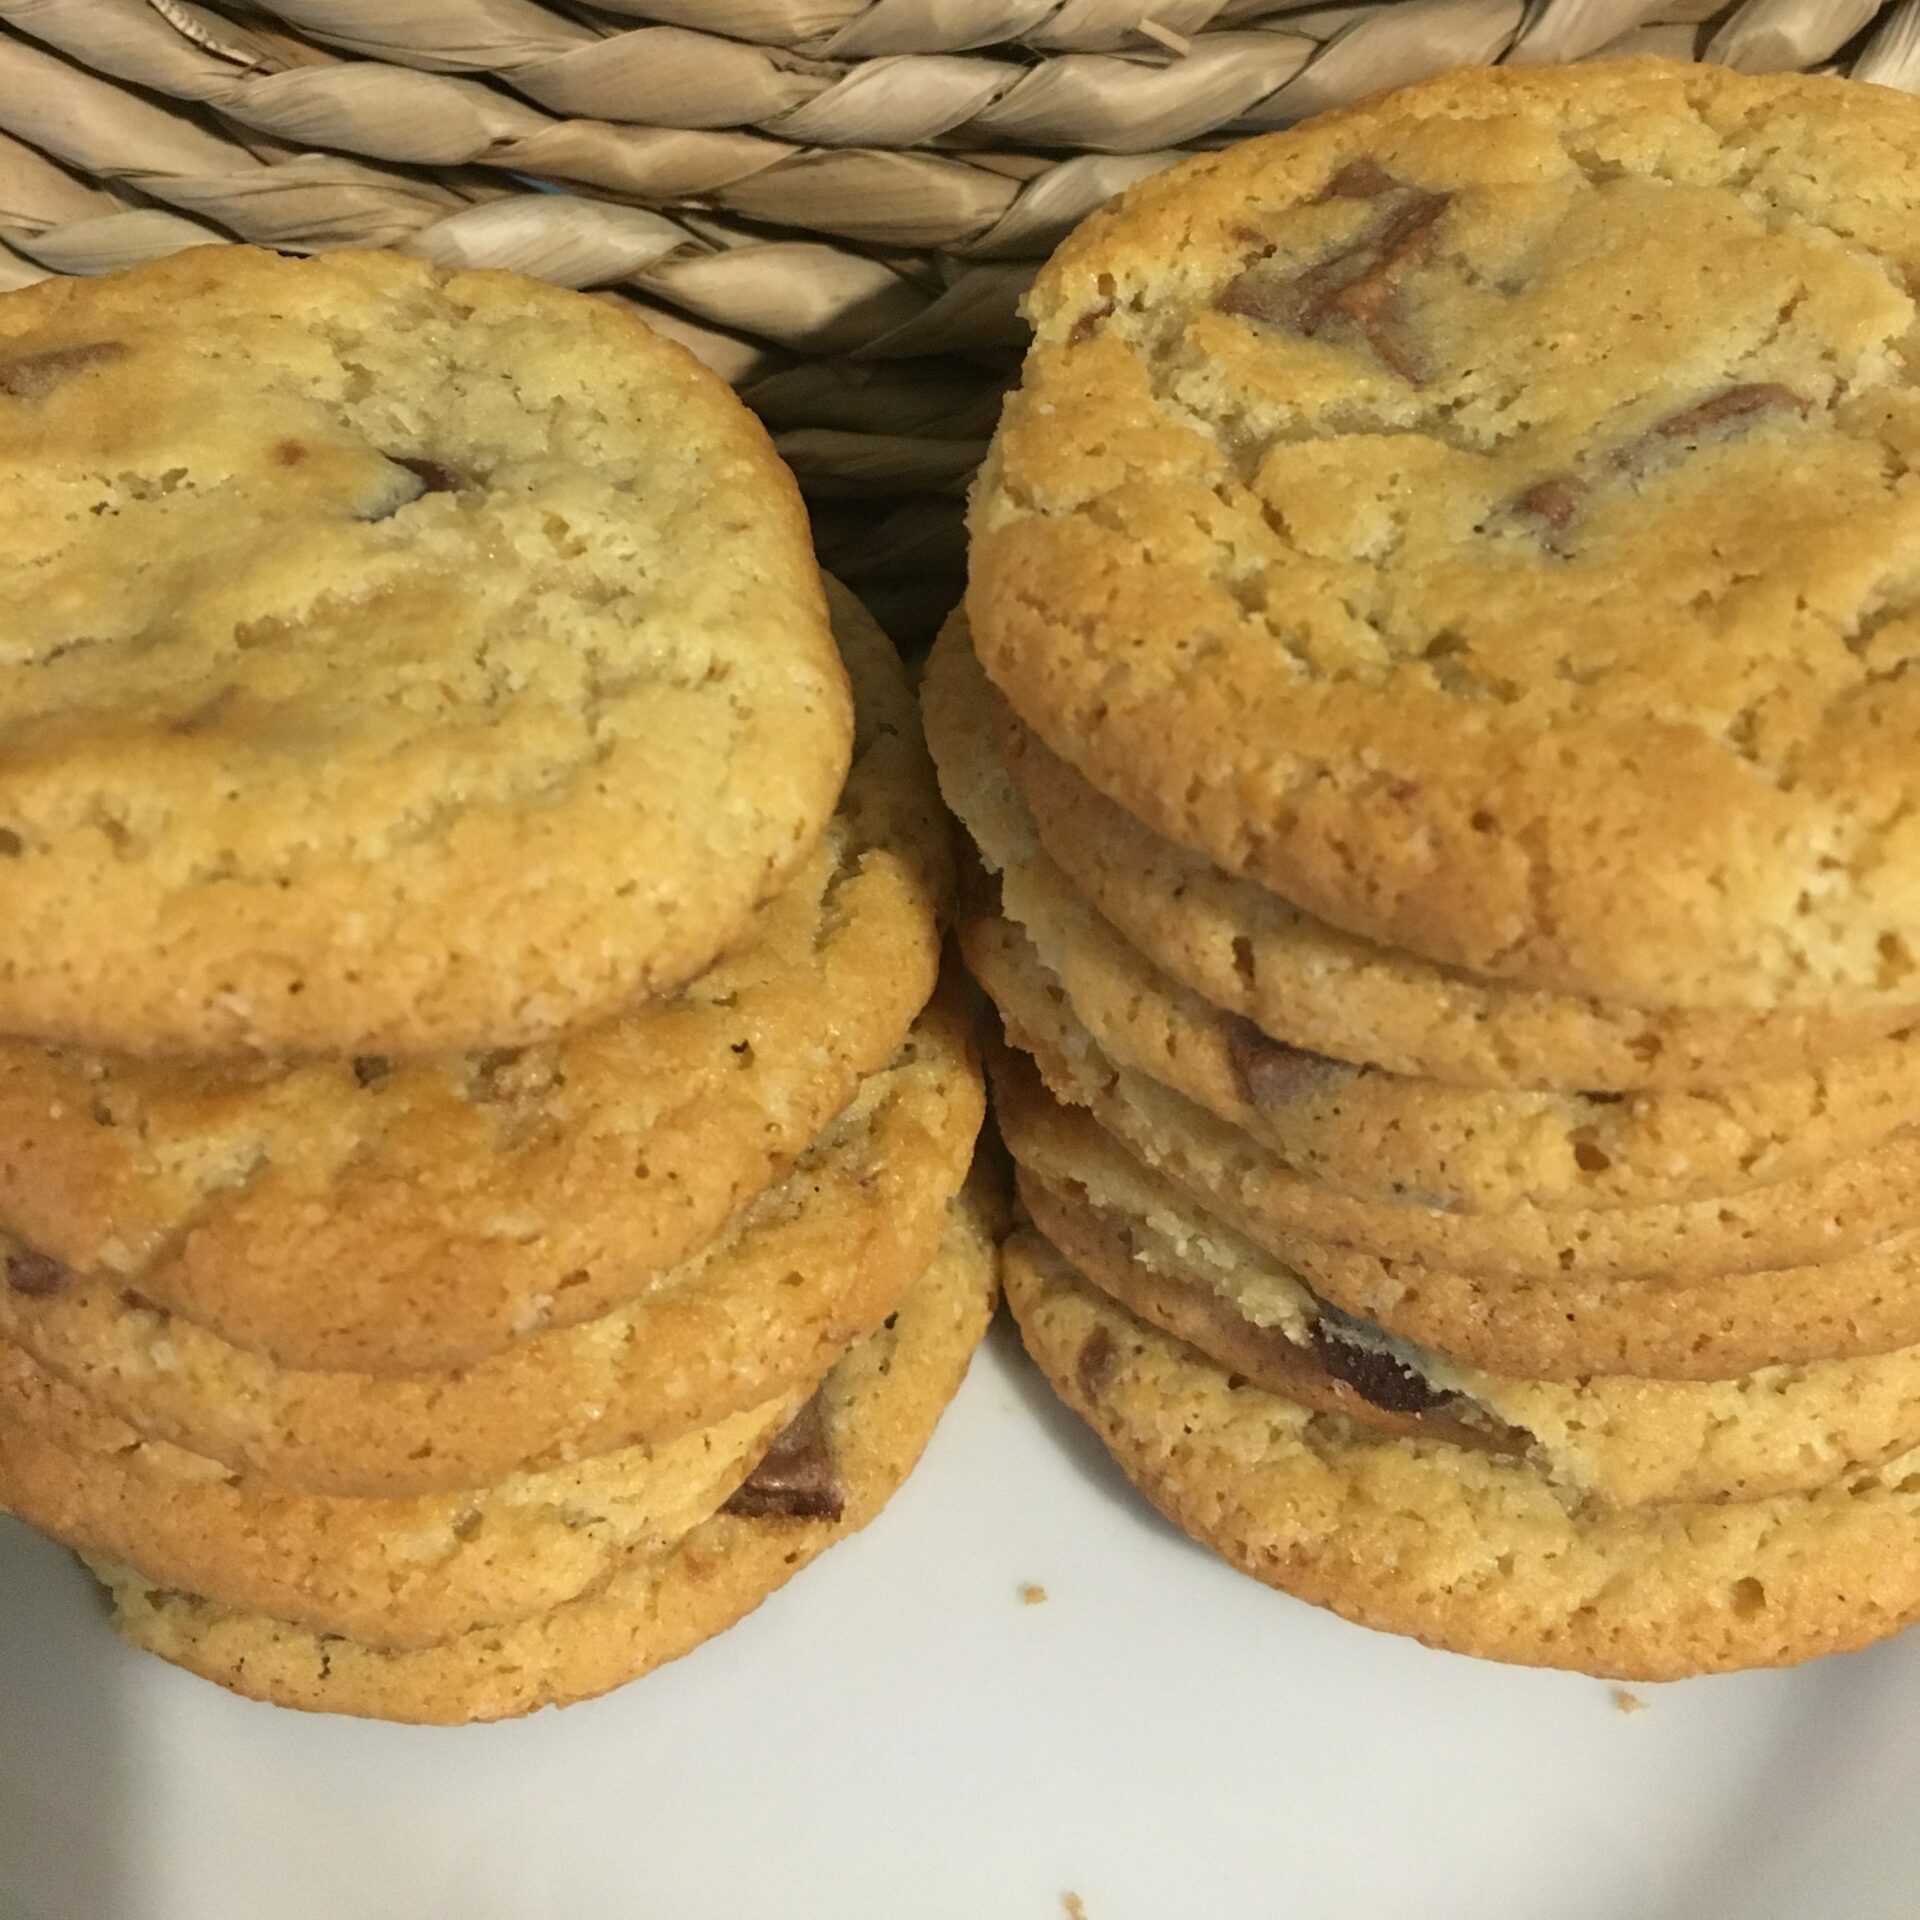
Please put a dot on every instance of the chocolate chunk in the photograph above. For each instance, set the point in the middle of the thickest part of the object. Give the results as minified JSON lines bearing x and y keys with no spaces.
{"x":1360,"y":180}
{"x":1553,"y":501}
{"x":1360,"y":284}
{"x":434,"y":475}
{"x":1270,"y":1072}
{"x":32,"y":376}
{"x":369,"y":1069}
{"x":1083,"y":328}
{"x":1734,"y":403}
{"x":36,"y":1275}
{"x":796,"y":1478}
{"x":1375,"y":1375}
{"x":1095,"y":1366}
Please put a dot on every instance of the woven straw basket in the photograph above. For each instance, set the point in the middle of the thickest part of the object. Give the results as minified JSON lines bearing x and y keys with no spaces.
{"x":836,"y":203}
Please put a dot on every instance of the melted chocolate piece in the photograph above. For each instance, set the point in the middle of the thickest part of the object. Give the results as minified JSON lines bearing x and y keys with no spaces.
{"x":1094,"y":1368}
{"x":1376,"y":1376}
{"x":1733,"y":403}
{"x":369,"y":1069}
{"x":32,"y":376}
{"x":1553,"y":501}
{"x":1360,"y":180}
{"x":796,"y":1478}
{"x":1358,"y":285}
{"x":1270,"y":1072}
{"x":36,"y":1275}
{"x":434,"y":475}
{"x":1084,"y":327}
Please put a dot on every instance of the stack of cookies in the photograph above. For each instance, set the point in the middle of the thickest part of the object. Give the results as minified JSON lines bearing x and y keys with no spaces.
{"x":482,"y":1136}
{"x":1439,"y":722}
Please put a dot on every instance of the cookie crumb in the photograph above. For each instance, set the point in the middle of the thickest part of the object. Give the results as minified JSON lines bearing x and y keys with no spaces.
{"x":1033,"y":1596}
{"x":1625,"y":1702}
{"x":1075,"y":1909}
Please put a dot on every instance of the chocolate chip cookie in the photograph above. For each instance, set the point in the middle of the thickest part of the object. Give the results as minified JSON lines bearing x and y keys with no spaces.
{"x":397,"y":660}
{"x":1388,"y":1135}
{"x":377,"y":1214}
{"x":1472,"y":1551}
{"x":878,"y":1409}
{"x":1481,"y":515}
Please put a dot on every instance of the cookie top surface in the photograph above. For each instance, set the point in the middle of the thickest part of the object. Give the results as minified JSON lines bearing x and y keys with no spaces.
{"x":1469,"y":1551}
{"x":395,"y":659}
{"x":1483,"y":515}
{"x":406,"y":1214}
{"x":879,"y":1406}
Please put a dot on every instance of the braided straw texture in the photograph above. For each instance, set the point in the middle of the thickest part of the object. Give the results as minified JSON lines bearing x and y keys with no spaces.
{"x":835,"y":203}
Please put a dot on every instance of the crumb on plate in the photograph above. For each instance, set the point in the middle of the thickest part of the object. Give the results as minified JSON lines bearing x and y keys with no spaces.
{"x":1033,"y":1596}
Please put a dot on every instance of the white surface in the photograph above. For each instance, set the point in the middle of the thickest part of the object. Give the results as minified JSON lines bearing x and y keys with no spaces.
{"x":898,"y":1736}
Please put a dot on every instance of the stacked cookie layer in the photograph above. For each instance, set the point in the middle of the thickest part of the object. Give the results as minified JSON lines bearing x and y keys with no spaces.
{"x":482,"y":1143}
{"x":1436,"y":720}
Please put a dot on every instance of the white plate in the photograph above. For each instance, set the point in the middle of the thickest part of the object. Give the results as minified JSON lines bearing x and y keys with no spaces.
{"x":899,"y":1736}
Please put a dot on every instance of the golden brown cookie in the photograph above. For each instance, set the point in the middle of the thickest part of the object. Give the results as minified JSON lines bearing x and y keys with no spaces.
{"x":1568,"y":1327}
{"x":1305,"y":981}
{"x":1824,"y":1216}
{"x":880,"y":1406}
{"x":382,"y":1215}
{"x":1479,"y":515}
{"x":397,"y":659}
{"x":1612,"y":1438}
{"x":1470,"y":1551}
{"x":810,"y":1266}
{"x":391,"y":1573}
{"x":1385,"y":1135}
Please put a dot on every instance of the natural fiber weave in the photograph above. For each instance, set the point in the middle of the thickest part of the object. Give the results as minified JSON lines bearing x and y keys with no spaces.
{"x":836,"y":203}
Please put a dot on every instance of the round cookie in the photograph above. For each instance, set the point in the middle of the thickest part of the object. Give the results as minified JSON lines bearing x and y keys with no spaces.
{"x":1569,"y":1328}
{"x":1463,"y":1550}
{"x":1476,"y":515}
{"x":1612,"y":1438}
{"x":391,"y":1216}
{"x":1308,"y":983}
{"x":397,"y":659}
{"x":1384,"y":1135}
{"x":880,"y":1406}
{"x":804,"y":1270}
{"x":390,"y":1573}
{"x":1824,"y":1216}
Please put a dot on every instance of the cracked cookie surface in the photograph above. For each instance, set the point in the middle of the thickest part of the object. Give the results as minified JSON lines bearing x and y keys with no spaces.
{"x":395,"y":1215}
{"x":396,"y":659}
{"x":1484,"y":516}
